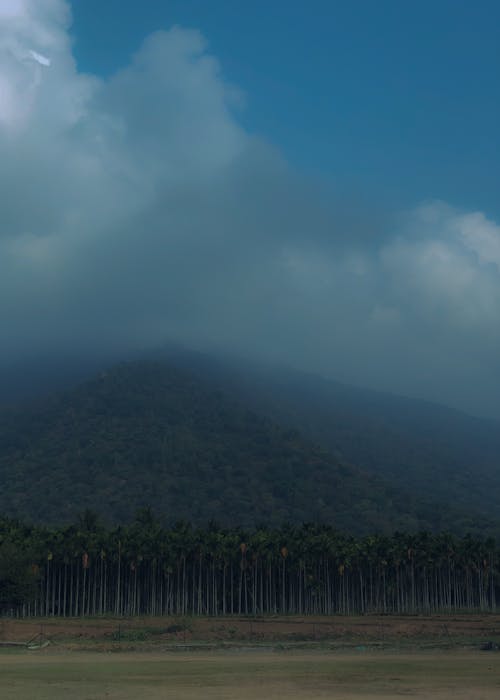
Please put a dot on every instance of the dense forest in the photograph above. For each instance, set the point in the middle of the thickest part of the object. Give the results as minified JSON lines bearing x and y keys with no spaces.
{"x":152,"y":433}
{"x":143,"y":568}
{"x":179,"y":442}
{"x":408,"y":442}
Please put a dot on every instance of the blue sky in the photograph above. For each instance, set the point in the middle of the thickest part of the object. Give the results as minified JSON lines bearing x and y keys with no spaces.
{"x":313,"y":184}
{"x":400,"y":99}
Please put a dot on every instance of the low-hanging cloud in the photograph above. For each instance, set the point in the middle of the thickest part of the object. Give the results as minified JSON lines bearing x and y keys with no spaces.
{"x":137,"y":209}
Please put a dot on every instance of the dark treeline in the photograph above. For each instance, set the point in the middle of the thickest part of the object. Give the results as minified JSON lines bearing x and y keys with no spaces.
{"x":87,"y":569}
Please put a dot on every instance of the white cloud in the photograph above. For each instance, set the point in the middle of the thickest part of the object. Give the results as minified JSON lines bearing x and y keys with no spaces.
{"x":439,"y":268}
{"x":481,"y":236}
{"x":12,"y":9}
{"x":34,"y":35}
{"x":42,"y":60}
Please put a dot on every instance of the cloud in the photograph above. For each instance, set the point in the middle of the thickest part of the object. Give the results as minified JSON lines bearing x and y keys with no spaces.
{"x":447,"y":267}
{"x":31,"y":32}
{"x":42,"y":60}
{"x":137,"y":209}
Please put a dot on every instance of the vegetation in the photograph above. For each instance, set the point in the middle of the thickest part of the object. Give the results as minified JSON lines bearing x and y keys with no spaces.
{"x":155,"y":434}
{"x":152,"y":434}
{"x":408,"y":442}
{"x":87,"y":569}
{"x":358,"y":676}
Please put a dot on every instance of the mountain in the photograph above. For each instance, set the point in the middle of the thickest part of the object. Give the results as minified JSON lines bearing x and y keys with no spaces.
{"x":153,"y":433}
{"x":417,"y":446}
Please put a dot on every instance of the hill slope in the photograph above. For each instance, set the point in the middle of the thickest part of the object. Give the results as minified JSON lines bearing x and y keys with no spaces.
{"x":415,"y":445}
{"x":152,"y":434}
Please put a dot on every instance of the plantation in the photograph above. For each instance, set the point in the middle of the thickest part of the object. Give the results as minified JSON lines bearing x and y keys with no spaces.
{"x":145,"y":569}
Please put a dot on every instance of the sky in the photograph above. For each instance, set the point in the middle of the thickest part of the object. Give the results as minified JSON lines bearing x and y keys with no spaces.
{"x":310,"y":183}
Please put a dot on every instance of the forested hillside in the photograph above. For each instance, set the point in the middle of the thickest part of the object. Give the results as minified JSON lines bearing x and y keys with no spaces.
{"x":152,"y":434}
{"x":415,"y":445}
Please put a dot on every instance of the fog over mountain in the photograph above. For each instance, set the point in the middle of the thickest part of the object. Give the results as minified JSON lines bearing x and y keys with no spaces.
{"x":136,"y":209}
{"x":202,"y":439}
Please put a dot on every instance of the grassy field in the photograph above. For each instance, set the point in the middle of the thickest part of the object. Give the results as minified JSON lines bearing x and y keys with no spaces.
{"x":241,"y":675}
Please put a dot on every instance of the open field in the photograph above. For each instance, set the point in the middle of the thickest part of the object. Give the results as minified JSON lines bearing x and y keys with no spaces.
{"x":241,"y":675}
{"x":355,"y":658}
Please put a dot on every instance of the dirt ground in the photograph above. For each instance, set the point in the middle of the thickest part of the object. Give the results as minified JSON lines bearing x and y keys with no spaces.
{"x":244,"y":675}
{"x":371,"y":631}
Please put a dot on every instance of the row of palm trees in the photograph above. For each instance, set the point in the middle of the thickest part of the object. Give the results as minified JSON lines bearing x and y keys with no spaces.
{"x":86,"y":570}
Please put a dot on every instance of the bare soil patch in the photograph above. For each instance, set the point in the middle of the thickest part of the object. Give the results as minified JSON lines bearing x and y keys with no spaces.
{"x":372,"y":631}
